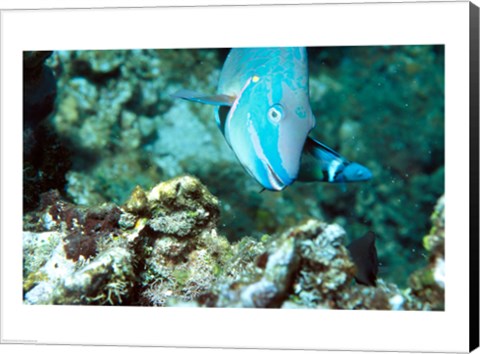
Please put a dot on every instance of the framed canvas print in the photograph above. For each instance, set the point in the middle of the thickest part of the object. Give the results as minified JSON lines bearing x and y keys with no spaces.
{"x":268,"y":176}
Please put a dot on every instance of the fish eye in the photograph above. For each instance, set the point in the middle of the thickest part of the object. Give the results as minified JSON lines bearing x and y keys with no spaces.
{"x":275,"y":113}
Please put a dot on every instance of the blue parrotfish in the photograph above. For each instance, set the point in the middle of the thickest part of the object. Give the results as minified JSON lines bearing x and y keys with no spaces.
{"x":262,"y":107}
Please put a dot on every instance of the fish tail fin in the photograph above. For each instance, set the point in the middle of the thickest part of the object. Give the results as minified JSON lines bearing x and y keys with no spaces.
{"x":321,"y":163}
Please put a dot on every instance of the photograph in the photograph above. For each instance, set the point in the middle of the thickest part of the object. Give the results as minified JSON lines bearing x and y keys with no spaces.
{"x":262,"y":177}
{"x":237,"y":176}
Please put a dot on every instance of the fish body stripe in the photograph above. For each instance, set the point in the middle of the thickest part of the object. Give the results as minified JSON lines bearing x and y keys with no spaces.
{"x":234,"y":108}
{"x":272,"y":179}
{"x":333,"y":168}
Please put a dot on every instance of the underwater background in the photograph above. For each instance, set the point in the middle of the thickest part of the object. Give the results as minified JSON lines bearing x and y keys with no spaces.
{"x":110,"y":124}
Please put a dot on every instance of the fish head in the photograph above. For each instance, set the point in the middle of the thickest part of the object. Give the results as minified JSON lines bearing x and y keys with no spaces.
{"x":267,"y":127}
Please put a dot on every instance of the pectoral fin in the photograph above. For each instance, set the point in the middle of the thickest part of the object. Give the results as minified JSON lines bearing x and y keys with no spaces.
{"x":215,"y":100}
{"x":321,"y":163}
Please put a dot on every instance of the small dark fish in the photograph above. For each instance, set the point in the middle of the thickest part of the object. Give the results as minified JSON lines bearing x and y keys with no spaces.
{"x":364,"y":255}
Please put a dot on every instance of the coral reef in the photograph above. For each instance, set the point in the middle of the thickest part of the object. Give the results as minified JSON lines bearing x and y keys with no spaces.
{"x":379,"y":105}
{"x":91,"y":255}
{"x":114,"y":108}
{"x":303,"y":265}
{"x":76,"y":255}
{"x":162,"y":247}
{"x":102,"y":129}
{"x":179,"y":248}
{"x":428,"y":284}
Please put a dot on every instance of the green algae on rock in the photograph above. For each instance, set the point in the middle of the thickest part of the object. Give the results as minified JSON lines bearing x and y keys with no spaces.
{"x":180,"y":250}
{"x":180,"y":207}
{"x":181,"y":270}
{"x":162,"y":248}
{"x":428,"y":283}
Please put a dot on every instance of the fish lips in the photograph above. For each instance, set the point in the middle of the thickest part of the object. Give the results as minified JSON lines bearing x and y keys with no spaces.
{"x":276,"y":183}
{"x":265,"y":174}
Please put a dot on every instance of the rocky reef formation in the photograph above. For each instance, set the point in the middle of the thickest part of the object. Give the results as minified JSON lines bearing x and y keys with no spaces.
{"x":428,"y":283}
{"x":116,"y":126}
{"x":162,"y":247}
{"x":75,"y":255}
{"x":100,"y":123}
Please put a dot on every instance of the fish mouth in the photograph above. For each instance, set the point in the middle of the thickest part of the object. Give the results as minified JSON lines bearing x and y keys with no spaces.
{"x":276,"y":182}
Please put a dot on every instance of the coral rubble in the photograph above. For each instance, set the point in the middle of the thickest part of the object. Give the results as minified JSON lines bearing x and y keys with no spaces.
{"x":163,"y":248}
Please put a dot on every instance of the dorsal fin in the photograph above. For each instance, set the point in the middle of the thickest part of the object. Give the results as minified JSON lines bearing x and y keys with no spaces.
{"x":215,"y":100}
